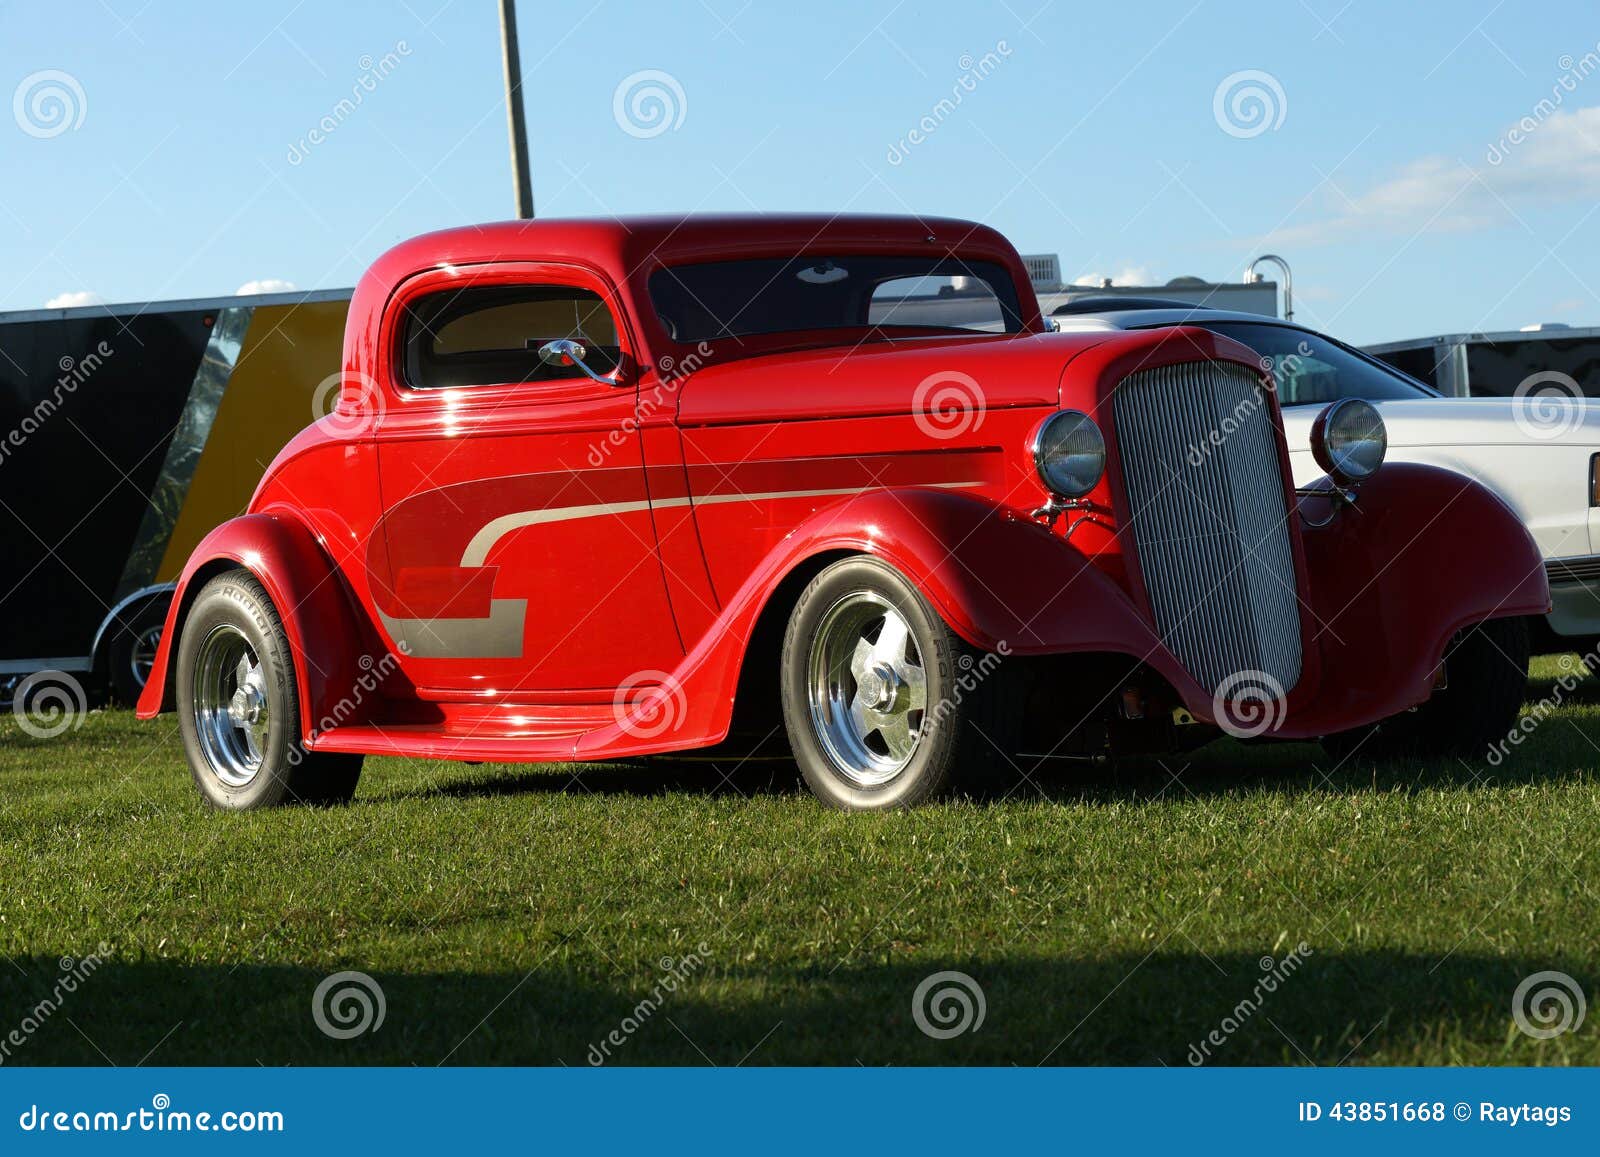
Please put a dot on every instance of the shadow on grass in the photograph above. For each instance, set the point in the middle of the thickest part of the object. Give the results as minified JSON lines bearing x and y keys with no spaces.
{"x":1223,"y":768}
{"x":1327,"y":1007}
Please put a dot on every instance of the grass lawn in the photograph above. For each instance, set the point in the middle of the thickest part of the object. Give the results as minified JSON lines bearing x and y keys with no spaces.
{"x":521,"y":915}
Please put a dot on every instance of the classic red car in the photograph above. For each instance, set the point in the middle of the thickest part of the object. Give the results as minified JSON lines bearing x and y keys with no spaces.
{"x":595,"y":489}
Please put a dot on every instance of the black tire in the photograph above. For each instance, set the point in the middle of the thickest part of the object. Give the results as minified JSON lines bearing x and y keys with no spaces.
{"x":235,"y":604}
{"x":131,"y":645}
{"x":1486,"y":670}
{"x":967,"y":732}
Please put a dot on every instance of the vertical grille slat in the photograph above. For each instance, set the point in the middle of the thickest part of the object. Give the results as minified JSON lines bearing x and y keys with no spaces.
{"x":1209,"y":519}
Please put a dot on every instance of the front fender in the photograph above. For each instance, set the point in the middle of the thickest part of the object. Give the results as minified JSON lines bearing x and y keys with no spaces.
{"x":1001,"y":581}
{"x":1424,"y":553}
{"x":310,"y":598}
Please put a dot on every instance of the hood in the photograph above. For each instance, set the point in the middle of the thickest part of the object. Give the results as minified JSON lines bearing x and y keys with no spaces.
{"x":900,"y":376}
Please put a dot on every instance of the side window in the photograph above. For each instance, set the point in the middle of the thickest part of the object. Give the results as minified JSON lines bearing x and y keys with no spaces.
{"x":937,"y":300}
{"x":492,"y":335}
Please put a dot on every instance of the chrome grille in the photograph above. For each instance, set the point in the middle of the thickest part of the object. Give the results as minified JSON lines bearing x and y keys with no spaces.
{"x":1200,"y":462}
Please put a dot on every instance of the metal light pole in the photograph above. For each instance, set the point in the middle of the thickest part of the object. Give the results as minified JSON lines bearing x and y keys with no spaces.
{"x":1288,"y":280}
{"x":521,"y":183}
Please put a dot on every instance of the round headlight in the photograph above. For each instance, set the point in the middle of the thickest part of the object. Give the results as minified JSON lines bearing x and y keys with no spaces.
{"x":1348,"y":440}
{"x":1069,"y":453}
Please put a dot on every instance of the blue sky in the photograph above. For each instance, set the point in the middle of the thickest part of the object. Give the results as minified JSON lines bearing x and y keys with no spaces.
{"x":184,"y":165}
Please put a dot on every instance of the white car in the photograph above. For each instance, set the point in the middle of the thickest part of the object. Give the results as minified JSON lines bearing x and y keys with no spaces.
{"x":1539,"y":453}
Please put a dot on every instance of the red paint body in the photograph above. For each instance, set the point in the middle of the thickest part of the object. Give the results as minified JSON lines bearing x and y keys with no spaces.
{"x":639,"y":531}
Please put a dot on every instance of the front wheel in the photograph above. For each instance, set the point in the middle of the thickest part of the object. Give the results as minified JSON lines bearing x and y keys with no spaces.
{"x":884,"y":704}
{"x":239,"y":707}
{"x":1486,"y":673}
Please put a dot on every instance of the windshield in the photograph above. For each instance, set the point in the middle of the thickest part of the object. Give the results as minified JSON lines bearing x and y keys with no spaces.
{"x":723,"y":299}
{"x":1312,"y":370}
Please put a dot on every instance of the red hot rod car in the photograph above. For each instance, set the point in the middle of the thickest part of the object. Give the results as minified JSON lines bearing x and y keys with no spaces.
{"x":595,"y":489}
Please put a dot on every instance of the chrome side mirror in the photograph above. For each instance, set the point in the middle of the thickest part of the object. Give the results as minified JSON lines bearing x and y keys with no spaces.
{"x":566,"y":352}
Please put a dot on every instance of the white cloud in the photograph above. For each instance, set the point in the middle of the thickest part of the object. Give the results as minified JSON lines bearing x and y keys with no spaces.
{"x":74,"y":299}
{"x":1555,"y":160}
{"x":1131,"y":275}
{"x":266,"y":285}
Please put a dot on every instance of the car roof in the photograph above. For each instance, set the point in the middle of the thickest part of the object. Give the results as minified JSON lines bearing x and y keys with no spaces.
{"x":1109,"y":313}
{"x":623,"y":243}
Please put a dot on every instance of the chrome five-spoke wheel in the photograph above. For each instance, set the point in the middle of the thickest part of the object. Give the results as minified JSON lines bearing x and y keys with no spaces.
{"x":232,"y":715}
{"x":868,"y":690}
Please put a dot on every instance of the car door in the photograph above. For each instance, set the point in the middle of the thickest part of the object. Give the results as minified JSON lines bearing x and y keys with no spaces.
{"x":516,"y":557}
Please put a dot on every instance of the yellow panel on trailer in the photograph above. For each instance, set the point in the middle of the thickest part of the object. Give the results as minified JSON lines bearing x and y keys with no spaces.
{"x":287,"y":353}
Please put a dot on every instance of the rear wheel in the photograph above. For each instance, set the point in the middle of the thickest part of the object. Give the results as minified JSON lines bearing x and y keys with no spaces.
{"x":132,"y":652}
{"x":239,"y":707}
{"x":885,"y":706}
{"x":1486,"y":671}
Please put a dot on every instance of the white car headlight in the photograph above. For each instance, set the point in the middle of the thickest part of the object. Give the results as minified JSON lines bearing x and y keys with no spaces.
{"x":1070,"y":453}
{"x":1348,"y":440}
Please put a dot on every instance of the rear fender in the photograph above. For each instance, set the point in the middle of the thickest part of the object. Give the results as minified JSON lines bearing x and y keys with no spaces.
{"x":311,"y":601}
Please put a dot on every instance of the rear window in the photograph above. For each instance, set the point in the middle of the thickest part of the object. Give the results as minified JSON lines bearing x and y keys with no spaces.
{"x":731,"y":299}
{"x":491,"y":336}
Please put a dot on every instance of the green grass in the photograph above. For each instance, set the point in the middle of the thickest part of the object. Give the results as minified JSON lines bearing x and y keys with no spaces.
{"x":521,"y":914}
